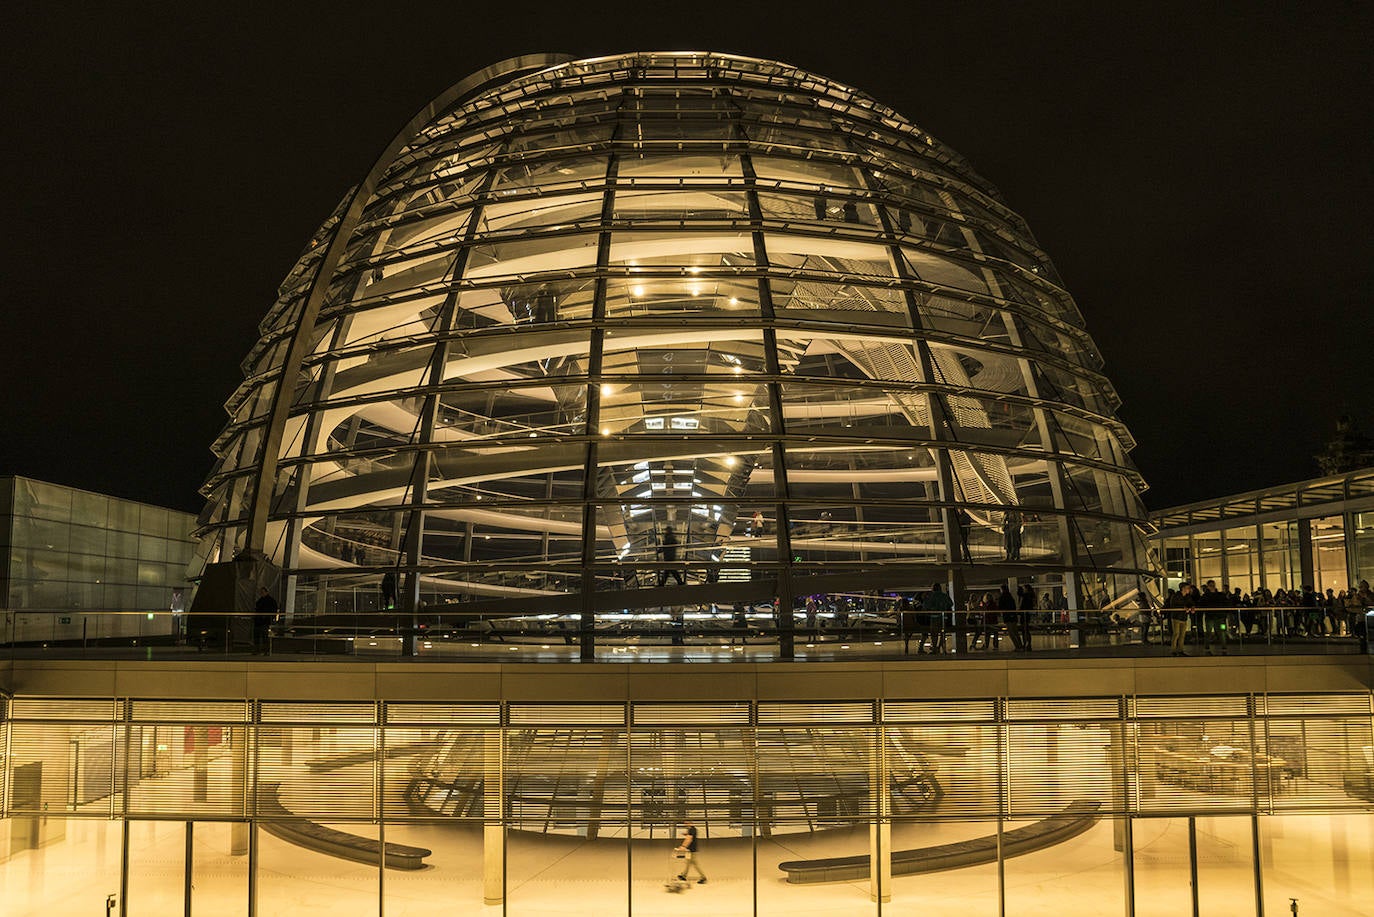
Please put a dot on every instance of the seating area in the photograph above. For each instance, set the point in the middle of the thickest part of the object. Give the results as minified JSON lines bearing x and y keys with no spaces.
{"x":1213,"y":767}
{"x":1076,"y":818}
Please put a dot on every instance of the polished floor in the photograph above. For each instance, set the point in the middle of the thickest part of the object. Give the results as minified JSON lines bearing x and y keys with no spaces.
{"x":1327,"y":863}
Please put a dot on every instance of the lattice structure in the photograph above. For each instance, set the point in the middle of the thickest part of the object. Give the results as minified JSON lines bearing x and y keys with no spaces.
{"x":593,"y":330}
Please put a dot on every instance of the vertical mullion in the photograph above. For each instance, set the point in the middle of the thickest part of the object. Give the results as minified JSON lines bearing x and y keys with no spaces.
{"x":379,"y":802}
{"x":595,"y":348}
{"x":413,"y":536}
{"x":777,"y":426}
{"x":186,"y":872}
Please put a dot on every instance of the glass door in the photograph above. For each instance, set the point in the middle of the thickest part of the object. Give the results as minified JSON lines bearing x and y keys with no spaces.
{"x":219,"y":868}
{"x":1199,"y":865}
{"x":181,"y":867}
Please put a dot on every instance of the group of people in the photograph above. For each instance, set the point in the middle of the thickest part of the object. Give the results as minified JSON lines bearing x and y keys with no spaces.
{"x":928,"y":620}
{"x":1013,"y":533}
{"x":1214,"y":614}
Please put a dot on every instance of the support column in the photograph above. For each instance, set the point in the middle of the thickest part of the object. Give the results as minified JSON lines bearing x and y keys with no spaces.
{"x":880,"y":861}
{"x":493,"y":831}
{"x":1306,"y":564}
{"x":880,"y":829}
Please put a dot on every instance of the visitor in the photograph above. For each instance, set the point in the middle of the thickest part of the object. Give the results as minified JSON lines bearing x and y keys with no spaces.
{"x":1214,"y":617}
{"x":1012,"y":527}
{"x":935,"y":604}
{"x":264,"y":613}
{"x":1179,"y":607}
{"x":963,"y":522}
{"x":1021,"y":623}
{"x":667,"y":552}
{"x":687,"y":850}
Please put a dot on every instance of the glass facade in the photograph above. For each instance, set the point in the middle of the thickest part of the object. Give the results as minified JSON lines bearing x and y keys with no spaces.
{"x":1229,"y":804}
{"x":1317,"y":534}
{"x":698,"y":321}
{"x":67,"y":555}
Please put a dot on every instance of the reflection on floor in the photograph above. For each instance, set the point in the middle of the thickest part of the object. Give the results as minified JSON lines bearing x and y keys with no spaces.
{"x":1327,"y":863}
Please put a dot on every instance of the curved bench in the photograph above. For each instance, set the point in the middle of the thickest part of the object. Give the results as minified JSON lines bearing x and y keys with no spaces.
{"x":331,"y":841}
{"x":1076,"y":818}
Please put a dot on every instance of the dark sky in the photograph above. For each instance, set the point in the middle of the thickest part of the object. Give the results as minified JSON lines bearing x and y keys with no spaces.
{"x":1200,"y":176}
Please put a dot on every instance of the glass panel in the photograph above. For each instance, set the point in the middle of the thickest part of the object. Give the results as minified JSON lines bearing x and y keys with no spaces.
{"x":1324,"y":861}
{"x":558,"y":866}
{"x":1190,"y":764}
{"x":1160,"y":862}
{"x":965,"y":886}
{"x":219,"y":869}
{"x":451,"y":881}
{"x":294,"y":877}
{"x":1318,"y":763}
{"x":157,"y":868}
{"x":1225,"y":866}
{"x":1038,"y":882}
{"x":1328,"y":555}
{"x":58,"y":866}
{"x":799,"y":845}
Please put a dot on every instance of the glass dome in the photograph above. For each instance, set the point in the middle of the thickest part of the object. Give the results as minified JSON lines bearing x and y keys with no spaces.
{"x":673,"y":332}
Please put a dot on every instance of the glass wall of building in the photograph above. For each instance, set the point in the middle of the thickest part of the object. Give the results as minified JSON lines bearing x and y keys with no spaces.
{"x":1317,"y":534}
{"x":70,"y":555}
{"x":1329,"y":560}
{"x":1112,"y":805}
{"x":669,"y":330}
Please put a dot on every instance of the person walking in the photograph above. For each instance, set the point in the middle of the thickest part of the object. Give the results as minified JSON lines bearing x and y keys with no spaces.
{"x":687,"y":850}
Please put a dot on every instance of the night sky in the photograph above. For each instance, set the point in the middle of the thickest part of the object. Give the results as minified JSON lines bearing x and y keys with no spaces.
{"x":1201,"y":178}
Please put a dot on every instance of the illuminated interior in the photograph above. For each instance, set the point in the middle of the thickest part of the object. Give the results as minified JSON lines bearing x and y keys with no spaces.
{"x":596,"y":301}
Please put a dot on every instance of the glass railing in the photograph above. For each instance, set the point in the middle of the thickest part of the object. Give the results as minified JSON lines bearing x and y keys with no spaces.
{"x":752,"y":633}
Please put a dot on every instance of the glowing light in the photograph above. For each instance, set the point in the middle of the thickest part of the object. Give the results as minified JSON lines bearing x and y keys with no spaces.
{"x":606,"y":389}
{"x":636,"y":291}
{"x":739,"y":369}
{"x":605,"y":431}
{"x":731,"y":461}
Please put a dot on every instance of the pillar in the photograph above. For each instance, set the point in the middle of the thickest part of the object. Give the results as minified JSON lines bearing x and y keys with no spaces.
{"x":493,"y":833}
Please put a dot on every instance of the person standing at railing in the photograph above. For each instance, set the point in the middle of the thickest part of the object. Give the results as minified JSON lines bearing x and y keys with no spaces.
{"x":1365,"y":600}
{"x":1311,"y":614}
{"x":936,"y":604}
{"x":1179,"y":607}
{"x":264,"y":613}
{"x":1021,"y":622}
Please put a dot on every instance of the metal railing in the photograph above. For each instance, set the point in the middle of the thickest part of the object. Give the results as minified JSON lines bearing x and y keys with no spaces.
{"x":879,"y":629}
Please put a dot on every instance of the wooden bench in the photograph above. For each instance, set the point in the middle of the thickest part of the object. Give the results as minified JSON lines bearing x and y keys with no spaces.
{"x":1078,"y":817}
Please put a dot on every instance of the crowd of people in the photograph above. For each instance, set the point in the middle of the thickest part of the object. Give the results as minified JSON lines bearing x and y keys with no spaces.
{"x":1209,"y":617}
{"x":1216,"y":616}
